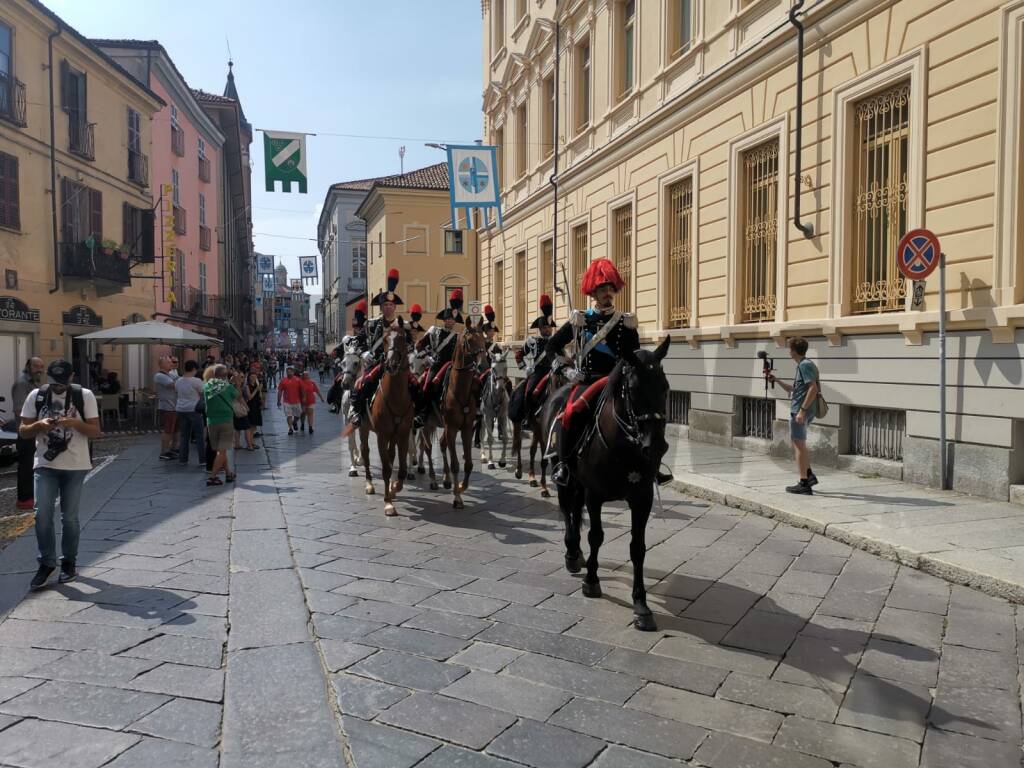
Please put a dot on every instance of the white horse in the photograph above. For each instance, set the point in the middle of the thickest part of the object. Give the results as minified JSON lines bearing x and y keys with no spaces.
{"x":495,"y":409}
{"x":351,"y":366}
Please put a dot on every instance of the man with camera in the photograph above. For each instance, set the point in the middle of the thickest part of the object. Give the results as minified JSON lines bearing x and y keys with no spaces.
{"x":61,"y":417}
{"x":804,"y":390}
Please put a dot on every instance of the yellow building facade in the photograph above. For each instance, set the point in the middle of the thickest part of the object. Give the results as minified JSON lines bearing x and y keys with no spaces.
{"x":407,"y":219}
{"x":678,"y":159}
{"x":74,"y":196}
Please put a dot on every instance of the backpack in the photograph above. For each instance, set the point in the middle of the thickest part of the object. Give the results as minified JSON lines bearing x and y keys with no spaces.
{"x":820,"y":404}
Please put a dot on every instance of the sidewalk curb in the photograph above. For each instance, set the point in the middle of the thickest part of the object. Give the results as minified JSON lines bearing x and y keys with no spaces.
{"x":738,"y":497}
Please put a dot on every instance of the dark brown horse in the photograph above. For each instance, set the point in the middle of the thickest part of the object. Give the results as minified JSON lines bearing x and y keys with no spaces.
{"x":539,"y":426}
{"x":390,"y":417}
{"x":458,"y":409}
{"x":617,"y":459}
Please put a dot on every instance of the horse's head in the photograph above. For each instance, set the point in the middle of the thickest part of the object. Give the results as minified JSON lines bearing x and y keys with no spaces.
{"x":396,"y":351}
{"x":473,"y":343}
{"x":499,"y":365}
{"x":350,"y":364}
{"x":645,"y":391}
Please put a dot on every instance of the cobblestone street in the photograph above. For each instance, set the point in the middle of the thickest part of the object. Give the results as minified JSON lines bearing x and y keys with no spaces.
{"x":284,"y":621}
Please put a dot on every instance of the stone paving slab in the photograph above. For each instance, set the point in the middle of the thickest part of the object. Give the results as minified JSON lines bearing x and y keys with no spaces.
{"x":959,"y":538}
{"x":286,"y":621}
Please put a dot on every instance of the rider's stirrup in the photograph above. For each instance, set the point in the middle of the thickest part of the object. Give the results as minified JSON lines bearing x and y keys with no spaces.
{"x":663,"y":478}
{"x":561,"y":474}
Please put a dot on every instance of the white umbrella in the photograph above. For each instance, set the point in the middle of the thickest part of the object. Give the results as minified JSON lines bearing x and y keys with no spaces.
{"x":151,"y":332}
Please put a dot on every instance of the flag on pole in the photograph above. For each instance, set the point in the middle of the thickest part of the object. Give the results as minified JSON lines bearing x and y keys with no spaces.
{"x":284,"y":160}
{"x":473,"y":179}
{"x":307,"y":266}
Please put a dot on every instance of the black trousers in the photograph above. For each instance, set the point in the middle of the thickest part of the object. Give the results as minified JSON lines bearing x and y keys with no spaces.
{"x":26,"y":456}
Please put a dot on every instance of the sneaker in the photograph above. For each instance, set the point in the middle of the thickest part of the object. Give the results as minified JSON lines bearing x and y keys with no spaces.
{"x":802,"y":488}
{"x":39,"y":580}
{"x":311,"y":430}
{"x":812,"y":479}
{"x":67,"y":572}
{"x":167,"y":456}
{"x":27,"y":504}
{"x":291,"y":431}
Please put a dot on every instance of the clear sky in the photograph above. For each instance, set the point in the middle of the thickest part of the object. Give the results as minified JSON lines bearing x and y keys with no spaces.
{"x":408,"y":69}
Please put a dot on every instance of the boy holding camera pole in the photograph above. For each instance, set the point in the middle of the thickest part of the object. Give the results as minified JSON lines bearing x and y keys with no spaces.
{"x":61,"y":417}
{"x":804,"y":390}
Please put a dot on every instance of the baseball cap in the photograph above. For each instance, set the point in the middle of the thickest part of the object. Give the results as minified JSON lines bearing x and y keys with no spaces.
{"x":59,"y":372}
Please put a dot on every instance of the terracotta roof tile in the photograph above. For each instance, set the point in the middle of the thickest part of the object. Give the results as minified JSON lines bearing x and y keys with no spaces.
{"x":211,"y":97}
{"x":432,"y":177}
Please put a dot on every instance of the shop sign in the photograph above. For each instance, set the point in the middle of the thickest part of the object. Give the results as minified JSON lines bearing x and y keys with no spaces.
{"x":82,"y":315}
{"x":17,"y":310}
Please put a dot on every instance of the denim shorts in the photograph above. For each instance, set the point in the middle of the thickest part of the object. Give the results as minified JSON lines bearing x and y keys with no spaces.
{"x":799,"y":431}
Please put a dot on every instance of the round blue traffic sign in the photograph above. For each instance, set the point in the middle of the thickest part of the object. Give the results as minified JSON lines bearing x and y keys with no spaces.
{"x":918,"y":254}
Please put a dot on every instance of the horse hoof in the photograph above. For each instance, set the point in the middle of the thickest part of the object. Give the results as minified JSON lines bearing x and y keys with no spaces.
{"x":519,"y":474}
{"x":534,"y":484}
{"x":369,"y":490}
{"x":500,"y":464}
{"x":591,"y":590}
{"x":433,"y":486}
{"x":457,"y":504}
{"x":389,"y":510}
{"x":397,"y":487}
{"x":645,"y":622}
{"x":421,"y":470}
{"x":545,"y":494}
{"x":353,"y":473}
{"x":410,"y":476}
{"x":491,"y":465}
{"x":447,"y":485}
{"x":575,"y":564}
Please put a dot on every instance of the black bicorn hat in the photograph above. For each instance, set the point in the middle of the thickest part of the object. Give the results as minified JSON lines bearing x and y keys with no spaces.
{"x":547,"y":308}
{"x":389,"y":294}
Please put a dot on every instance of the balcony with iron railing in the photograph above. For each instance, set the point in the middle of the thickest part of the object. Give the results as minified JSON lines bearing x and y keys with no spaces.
{"x":12,"y":100}
{"x":204,"y":169}
{"x":81,"y":137}
{"x":178,"y":141}
{"x":80,"y":261}
{"x":138,"y":168}
{"x":205,"y":238}
{"x":179,"y":220}
{"x":193,"y":302}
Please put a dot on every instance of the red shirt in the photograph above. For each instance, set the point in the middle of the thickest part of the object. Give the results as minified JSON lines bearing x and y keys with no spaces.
{"x":291,"y":390}
{"x":309,"y":391}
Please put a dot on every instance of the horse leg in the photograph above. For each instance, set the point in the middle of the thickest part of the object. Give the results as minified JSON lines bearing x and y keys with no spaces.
{"x":453,"y":467}
{"x":422,"y":448}
{"x":544,"y":492}
{"x":364,"y":452}
{"x":489,"y":424}
{"x":517,"y":449}
{"x":443,"y":442}
{"x":467,"y":458}
{"x":408,"y":451}
{"x":533,"y":455}
{"x":386,"y":450}
{"x":640,"y":511}
{"x":595,"y":537}
{"x":570,"y":501}
{"x":403,"y":465}
{"x":503,"y":433}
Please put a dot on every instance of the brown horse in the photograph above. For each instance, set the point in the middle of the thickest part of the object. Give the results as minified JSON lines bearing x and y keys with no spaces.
{"x":458,"y":409}
{"x":390,"y":417}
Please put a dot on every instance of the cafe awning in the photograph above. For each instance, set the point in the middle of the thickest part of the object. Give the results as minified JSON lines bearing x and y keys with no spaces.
{"x":151,"y":332}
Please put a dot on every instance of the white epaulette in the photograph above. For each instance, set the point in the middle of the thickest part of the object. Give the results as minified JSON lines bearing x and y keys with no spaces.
{"x":578,"y":318}
{"x":629,"y":320}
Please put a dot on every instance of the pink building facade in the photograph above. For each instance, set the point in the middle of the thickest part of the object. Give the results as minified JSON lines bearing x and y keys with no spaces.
{"x":186,"y":179}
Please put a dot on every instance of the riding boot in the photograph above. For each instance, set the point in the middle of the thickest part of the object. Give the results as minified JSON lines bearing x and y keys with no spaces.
{"x":565,"y":445}
{"x":476,"y":430}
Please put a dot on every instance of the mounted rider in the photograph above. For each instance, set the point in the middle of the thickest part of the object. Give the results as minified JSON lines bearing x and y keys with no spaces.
{"x":531,"y":359}
{"x":373,"y":356}
{"x":492,"y":349}
{"x":415,"y":328}
{"x":603,"y":337}
{"x":354,"y":342}
{"x":440,"y":341}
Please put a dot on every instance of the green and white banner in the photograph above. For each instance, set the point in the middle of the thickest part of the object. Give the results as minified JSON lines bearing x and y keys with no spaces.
{"x":284,"y":159}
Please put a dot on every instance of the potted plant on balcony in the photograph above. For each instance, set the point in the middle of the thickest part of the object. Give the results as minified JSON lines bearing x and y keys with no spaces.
{"x":124,"y":250}
{"x":108,"y":247}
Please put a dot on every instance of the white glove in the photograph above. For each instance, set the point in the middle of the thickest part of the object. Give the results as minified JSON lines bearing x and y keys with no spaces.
{"x":574,"y":376}
{"x":367,"y":357}
{"x":529,"y":370}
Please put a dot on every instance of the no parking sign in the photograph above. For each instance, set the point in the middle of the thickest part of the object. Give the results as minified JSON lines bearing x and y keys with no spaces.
{"x":918,"y":253}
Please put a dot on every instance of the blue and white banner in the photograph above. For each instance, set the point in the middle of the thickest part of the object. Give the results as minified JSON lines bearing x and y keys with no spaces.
{"x":473,"y":179}
{"x":308,"y":269}
{"x":264,"y":264}
{"x":268,"y":284}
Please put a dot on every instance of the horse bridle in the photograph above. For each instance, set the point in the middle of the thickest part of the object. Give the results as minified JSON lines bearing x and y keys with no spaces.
{"x":403,"y":359}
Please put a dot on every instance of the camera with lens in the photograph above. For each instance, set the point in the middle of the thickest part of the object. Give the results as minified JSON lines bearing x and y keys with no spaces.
{"x":56,"y":444}
{"x":768,"y":367}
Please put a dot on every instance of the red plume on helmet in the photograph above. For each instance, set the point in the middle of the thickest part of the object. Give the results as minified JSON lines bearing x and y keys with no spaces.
{"x":361,"y":307}
{"x":489,"y":313}
{"x":416,"y":309}
{"x":455,"y":299}
{"x":392,"y":279}
{"x":601,"y":272}
{"x":545,"y":305}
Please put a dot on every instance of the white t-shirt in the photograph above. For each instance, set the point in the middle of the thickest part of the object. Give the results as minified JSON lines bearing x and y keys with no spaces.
{"x":190,"y":390}
{"x":77,"y":454}
{"x":166,"y":397}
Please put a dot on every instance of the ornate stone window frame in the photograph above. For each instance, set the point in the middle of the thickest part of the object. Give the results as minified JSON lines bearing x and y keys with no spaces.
{"x":689,"y":169}
{"x":613,"y":205}
{"x":1007,"y":264}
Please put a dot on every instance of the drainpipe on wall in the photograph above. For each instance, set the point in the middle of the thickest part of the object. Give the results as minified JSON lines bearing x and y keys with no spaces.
{"x":807,"y":229}
{"x":554,"y":173}
{"x":53,"y":165}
